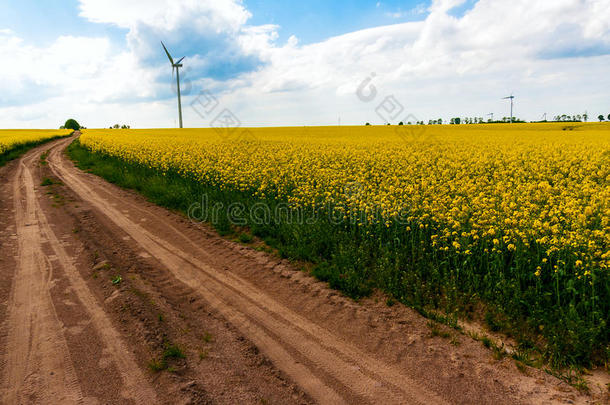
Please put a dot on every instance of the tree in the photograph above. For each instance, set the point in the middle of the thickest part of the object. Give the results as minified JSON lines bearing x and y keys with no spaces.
{"x":440,"y":121}
{"x":600,"y":117}
{"x":401,"y":123}
{"x":585,"y":116}
{"x":72,"y":124}
{"x":368,"y":124}
{"x":608,"y":117}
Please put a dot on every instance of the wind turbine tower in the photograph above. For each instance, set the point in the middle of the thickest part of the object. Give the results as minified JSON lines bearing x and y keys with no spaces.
{"x":492,"y":116}
{"x":176,"y":65}
{"x":511,"y":98}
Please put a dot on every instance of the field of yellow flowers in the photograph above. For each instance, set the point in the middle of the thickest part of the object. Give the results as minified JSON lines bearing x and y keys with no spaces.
{"x":14,"y":138}
{"x":516,"y":217}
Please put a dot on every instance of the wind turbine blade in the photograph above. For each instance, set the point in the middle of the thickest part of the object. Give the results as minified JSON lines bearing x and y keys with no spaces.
{"x":181,"y":59}
{"x":167,"y":52}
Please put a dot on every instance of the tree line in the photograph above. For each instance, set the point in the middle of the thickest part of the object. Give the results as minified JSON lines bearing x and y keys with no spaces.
{"x":479,"y":120}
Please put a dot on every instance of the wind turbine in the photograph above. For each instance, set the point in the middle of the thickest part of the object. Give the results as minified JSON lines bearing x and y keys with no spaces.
{"x":511,"y":98}
{"x":492,"y":116}
{"x":176,"y":65}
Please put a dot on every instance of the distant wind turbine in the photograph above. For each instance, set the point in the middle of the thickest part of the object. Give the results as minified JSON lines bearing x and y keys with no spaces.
{"x":176,"y":65}
{"x":511,"y":98}
{"x":492,"y":116}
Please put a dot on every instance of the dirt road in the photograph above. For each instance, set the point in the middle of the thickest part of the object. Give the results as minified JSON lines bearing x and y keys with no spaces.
{"x":99,"y":285}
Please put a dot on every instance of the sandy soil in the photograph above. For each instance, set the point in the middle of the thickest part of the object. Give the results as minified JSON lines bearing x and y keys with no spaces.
{"x":253,"y":328}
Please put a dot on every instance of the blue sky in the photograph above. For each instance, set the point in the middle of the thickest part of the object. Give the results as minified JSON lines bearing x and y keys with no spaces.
{"x":313,"y":21}
{"x":274,"y":62}
{"x":42,"y":21}
{"x":310,"y":21}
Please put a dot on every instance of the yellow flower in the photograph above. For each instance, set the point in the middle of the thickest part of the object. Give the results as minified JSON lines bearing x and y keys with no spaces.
{"x":545,"y":188}
{"x":10,"y":138}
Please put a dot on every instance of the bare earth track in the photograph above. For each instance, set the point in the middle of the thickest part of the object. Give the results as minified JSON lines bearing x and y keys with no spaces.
{"x":252,"y":328}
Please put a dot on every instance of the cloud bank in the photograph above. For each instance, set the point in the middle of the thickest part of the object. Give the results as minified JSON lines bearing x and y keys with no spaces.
{"x":552,"y":54}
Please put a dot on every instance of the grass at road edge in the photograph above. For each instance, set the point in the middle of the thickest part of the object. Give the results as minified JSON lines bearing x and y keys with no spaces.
{"x":356,"y":261}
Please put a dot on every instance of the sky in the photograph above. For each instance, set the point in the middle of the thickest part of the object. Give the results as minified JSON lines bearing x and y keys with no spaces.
{"x":272,"y":62}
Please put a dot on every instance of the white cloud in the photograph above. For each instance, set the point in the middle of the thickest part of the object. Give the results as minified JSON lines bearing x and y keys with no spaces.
{"x":447,"y":65}
{"x":491,"y":37}
{"x":66,"y":77}
{"x":442,"y":6}
{"x":552,"y":54}
{"x":415,"y":11}
{"x":76,"y":73}
{"x":168,"y":15}
{"x":198,"y":27}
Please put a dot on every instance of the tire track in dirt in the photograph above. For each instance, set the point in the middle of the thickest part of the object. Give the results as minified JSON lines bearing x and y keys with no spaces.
{"x":38,"y":367}
{"x":327,"y":367}
{"x":61,"y":384}
{"x":135,"y":384}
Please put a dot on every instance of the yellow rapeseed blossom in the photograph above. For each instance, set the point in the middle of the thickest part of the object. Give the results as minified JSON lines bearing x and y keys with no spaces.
{"x":9,"y":138}
{"x":517,"y":184}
